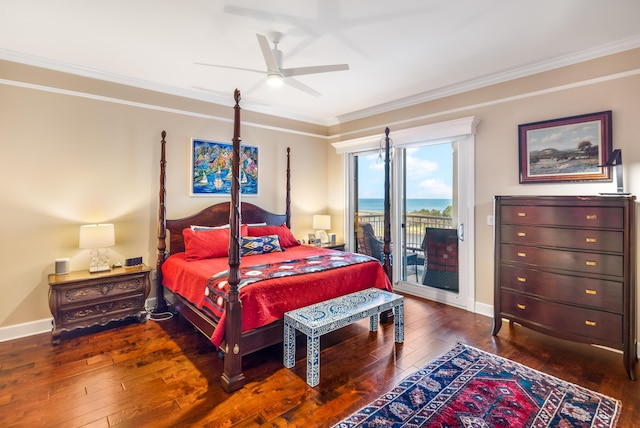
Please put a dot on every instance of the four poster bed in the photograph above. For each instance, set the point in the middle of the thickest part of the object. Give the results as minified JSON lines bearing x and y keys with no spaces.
{"x":234,"y":269}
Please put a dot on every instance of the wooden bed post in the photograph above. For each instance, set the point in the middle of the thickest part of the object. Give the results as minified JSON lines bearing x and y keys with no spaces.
{"x":288,"y":196}
{"x":235,"y":344}
{"x":161,"y":303}
{"x":232,"y":376}
{"x":387,"y":209}
{"x":387,"y":316}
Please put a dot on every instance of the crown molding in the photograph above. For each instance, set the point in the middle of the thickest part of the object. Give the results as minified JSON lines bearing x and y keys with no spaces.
{"x":516,"y":73}
{"x":220,"y":99}
{"x":215,"y":98}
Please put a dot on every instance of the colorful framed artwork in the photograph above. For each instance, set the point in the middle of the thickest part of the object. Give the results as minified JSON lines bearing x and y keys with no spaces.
{"x":568,"y":149}
{"x":210,"y":172}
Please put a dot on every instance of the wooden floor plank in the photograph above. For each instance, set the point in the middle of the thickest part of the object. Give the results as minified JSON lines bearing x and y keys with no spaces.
{"x":163,"y":374}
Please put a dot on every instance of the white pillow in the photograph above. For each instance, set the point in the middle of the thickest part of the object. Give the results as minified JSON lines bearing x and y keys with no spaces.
{"x":196,"y":228}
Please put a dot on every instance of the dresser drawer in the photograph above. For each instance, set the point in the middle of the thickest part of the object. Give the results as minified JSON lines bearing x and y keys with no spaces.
{"x":101,"y":312}
{"x":595,"y":217}
{"x":578,"y":290}
{"x":582,"y":239}
{"x":577,"y":261}
{"x":83,"y":292}
{"x":588,"y":323}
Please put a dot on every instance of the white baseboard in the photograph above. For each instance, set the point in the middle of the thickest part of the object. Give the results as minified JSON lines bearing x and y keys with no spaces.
{"x":41,"y":326}
{"x":27,"y":329}
{"x":484,"y":309}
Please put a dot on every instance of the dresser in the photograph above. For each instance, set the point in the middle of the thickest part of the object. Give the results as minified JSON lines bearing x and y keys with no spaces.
{"x":565,"y":266}
{"x":81,"y":299}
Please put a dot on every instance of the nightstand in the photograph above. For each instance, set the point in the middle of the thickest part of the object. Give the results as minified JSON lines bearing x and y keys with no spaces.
{"x":337,"y":246}
{"x":81,"y":299}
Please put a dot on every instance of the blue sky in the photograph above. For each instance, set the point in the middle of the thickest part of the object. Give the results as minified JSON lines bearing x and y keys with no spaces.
{"x":565,"y":137}
{"x":429,"y":173}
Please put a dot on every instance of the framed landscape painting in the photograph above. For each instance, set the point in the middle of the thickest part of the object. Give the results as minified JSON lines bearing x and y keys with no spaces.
{"x":210,"y":172}
{"x":568,"y":149}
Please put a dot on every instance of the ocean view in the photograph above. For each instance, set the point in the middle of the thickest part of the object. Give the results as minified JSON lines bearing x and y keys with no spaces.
{"x":377,"y":205}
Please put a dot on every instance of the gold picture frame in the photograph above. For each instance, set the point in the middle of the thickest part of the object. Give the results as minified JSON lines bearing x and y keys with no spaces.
{"x":568,"y":149}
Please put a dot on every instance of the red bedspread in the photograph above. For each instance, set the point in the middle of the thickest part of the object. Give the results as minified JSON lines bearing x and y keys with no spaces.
{"x":266,"y":301}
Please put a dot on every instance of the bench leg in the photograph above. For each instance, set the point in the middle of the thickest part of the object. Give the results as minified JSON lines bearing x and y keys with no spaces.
{"x":313,"y":360}
{"x":399,"y":323}
{"x":373,"y":322}
{"x":289,"y":345}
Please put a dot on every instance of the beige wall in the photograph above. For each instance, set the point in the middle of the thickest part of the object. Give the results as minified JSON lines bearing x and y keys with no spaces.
{"x":497,"y":164}
{"x":611,"y":83}
{"x":71,"y":158}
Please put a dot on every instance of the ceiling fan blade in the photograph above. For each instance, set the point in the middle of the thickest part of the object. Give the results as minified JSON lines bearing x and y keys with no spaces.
{"x":255,"y":87}
{"x":271,"y":17}
{"x":269,"y":57}
{"x":230,"y":67}
{"x":299,"y":71}
{"x":213,"y":91}
{"x":301,"y":86}
{"x":251,"y":13}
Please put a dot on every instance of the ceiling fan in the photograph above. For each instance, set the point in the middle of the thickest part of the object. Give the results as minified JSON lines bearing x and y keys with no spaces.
{"x":276,"y":74}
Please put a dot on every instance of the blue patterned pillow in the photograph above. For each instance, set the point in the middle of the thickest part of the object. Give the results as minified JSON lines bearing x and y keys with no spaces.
{"x":252,"y":245}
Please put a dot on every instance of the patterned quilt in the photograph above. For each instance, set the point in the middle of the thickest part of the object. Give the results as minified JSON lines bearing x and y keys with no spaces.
{"x":217,"y":288}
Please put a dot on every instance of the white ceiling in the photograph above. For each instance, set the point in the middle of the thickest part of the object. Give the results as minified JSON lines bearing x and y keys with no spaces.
{"x":400,"y":52}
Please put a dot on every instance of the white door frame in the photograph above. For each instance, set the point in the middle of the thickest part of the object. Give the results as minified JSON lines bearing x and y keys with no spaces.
{"x":460,"y":130}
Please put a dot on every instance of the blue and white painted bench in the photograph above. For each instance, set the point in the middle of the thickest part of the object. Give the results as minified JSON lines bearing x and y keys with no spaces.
{"x":324,"y":317}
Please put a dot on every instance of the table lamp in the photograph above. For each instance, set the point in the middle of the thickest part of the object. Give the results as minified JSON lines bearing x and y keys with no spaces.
{"x":322,"y":223}
{"x":97,"y":238}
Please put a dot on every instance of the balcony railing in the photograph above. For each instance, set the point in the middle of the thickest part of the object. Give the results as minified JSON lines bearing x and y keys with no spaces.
{"x":414,"y":227}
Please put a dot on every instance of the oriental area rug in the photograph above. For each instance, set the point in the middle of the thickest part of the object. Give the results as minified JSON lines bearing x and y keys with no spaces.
{"x":467,"y":387}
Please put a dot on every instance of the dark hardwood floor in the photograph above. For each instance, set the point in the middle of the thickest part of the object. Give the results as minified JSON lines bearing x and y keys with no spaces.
{"x":164,"y":374}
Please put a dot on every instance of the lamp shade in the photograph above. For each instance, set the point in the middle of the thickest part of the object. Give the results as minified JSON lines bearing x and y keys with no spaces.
{"x":97,"y":236}
{"x":321,"y":222}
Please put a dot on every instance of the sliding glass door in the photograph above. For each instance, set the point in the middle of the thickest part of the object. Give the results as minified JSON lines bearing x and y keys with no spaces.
{"x":431,"y":197}
{"x":368,"y":201}
{"x":429,"y":221}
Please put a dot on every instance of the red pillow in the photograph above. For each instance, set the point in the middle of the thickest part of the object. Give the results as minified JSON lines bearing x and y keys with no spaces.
{"x":284,"y":234}
{"x":207,"y":244}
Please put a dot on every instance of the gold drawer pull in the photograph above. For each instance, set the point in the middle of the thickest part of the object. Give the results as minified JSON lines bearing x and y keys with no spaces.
{"x":523,"y":307}
{"x":521,"y":279}
{"x":521,"y":214}
{"x":521,"y":254}
{"x":592,"y":216}
{"x":590,"y":263}
{"x":590,"y":323}
{"x":522,"y":234}
{"x":589,"y":291}
{"x":591,"y":240}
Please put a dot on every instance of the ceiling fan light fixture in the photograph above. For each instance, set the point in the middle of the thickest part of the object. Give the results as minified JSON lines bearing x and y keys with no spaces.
{"x":274,"y":80}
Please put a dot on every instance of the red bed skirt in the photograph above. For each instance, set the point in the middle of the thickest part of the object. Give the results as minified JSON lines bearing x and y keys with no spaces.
{"x":266,"y":301}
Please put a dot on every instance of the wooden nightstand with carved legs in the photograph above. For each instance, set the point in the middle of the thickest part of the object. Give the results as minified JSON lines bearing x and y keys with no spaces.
{"x":81,"y":299}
